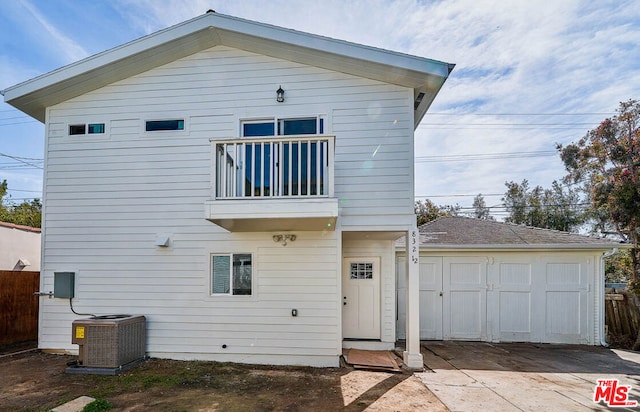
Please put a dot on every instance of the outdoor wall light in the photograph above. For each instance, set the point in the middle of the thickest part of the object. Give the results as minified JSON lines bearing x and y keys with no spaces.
{"x":280,"y":95}
{"x":284,"y":238}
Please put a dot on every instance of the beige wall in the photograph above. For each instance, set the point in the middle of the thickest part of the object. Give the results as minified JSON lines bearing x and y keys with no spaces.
{"x":17,"y":244}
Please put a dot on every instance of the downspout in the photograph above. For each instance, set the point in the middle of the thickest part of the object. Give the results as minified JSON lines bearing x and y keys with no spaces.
{"x":603,"y":338}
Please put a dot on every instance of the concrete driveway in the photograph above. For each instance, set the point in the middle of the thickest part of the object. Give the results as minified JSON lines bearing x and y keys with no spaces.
{"x":474,"y":376}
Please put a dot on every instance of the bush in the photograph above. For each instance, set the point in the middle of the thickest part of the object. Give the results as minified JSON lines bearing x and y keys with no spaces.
{"x":99,"y":405}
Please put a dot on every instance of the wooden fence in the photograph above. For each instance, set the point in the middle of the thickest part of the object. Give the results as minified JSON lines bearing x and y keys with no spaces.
{"x":18,"y":306}
{"x":621,"y":318}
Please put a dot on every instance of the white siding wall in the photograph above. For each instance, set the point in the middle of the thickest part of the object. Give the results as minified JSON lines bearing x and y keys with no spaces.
{"x":107,"y":198}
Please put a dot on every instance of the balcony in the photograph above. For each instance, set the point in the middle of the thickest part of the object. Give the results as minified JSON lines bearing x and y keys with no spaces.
{"x":273,"y":184}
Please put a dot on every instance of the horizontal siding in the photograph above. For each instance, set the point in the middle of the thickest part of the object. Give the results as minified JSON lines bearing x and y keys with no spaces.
{"x":107,"y":198}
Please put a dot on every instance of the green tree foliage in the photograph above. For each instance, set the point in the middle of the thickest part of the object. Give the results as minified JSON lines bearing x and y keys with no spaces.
{"x":606,"y":162}
{"x":619,"y":267}
{"x":427,"y":211}
{"x":480,"y":209}
{"x":555,"y":208}
{"x":25,"y":213}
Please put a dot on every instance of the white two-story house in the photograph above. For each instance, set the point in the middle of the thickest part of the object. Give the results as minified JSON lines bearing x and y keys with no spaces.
{"x":239,"y":184}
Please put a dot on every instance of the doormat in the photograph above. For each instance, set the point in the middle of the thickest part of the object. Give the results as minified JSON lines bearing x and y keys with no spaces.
{"x":379,"y":360}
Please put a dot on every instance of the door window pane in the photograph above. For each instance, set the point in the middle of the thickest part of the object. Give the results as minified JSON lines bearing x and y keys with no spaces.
{"x":361,"y":270}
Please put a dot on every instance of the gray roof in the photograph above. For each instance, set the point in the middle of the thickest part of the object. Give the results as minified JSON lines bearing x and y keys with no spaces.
{"x":463,"y":232}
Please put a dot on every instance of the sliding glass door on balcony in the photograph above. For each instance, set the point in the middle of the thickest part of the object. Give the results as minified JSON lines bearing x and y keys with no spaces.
{"x":274,"y":167}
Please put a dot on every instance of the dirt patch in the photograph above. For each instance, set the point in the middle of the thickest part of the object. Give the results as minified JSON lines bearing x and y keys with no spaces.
{"x":36,"y":381}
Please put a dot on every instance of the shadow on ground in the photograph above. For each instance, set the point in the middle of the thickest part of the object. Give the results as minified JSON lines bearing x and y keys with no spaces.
{"x":36,"y":381}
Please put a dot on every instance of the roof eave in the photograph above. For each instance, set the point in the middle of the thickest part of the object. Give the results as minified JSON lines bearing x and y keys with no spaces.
{"x":516,"y":247}
{"x":211,"y":29}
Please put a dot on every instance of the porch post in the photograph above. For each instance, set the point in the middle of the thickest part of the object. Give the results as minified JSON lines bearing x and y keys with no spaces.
{"x":412,"y":356}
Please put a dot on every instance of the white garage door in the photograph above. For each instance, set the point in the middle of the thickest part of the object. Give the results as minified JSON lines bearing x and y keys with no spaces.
{"x":496,"y":298}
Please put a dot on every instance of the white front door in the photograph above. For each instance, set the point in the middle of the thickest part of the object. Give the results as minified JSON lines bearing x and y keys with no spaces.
{"x":361,"y":298}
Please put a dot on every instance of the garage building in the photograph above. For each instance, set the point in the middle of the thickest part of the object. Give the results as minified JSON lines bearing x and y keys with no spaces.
{"x":490,"y":281}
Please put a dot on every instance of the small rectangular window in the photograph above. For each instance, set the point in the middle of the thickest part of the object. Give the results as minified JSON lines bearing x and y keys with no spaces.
{"x":76,"y":129}
{"x":95,"y":128}
{"x":231,"y":274}
{"x":159,"y":125}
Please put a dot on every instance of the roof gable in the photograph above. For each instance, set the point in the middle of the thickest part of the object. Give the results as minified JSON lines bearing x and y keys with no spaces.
{"x":463,"y":232}
{"x":425,"y":76}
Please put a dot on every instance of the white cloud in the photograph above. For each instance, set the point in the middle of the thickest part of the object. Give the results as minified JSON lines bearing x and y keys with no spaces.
{"x":527,"y":57}
{"x":54,"y":37}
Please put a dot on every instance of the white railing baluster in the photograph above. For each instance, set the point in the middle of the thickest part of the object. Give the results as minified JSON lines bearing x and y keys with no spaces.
{"x":224,"y":169}
{"x":280,"y":168}
{"x":242,"y":173}
{"x":262,"y":169}
{"x":318,"y":172}
{"x":272,"y":186}
{"x":299,"y":168}
{"x":308,"y":168}
{"x":290,"y":179}
{"x":253,"y":169}
{"x":238,"y":169}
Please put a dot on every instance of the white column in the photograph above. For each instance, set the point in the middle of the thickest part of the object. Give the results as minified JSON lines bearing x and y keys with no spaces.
{"x":412,"y":356}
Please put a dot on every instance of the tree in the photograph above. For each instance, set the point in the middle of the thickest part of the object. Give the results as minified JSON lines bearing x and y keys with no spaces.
{"x":606,"y":162}
{"x":480,"y":209}
{"x":557,"y":208}
{"x":618,"y":268}
{"x":427,"y":211}
{"x":25,"y":213}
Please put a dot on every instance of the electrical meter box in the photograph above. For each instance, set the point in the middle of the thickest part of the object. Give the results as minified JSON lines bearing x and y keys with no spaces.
{"x":64,"y":284}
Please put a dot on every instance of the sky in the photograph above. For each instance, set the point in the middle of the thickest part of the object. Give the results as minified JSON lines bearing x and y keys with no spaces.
{"x":528,"y":75}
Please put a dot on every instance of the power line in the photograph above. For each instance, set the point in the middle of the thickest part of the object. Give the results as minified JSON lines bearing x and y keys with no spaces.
{"x":27,"y":191}
{"x":519,"y":114}
{"x":460,"y":195}
{"x":483,"y":156}
{"x":509,"y":124}
{"x":21,"y":160}
{"x":14,"y":123}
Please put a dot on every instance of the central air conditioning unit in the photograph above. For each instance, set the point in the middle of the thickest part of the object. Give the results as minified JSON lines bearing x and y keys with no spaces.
{"x":110,"y":341}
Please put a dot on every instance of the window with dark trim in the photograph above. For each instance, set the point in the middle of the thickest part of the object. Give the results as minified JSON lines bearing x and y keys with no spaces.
{"x":91,"y":128}
{"x":76,"y":129}
{"x":283,"y":127}
{"x":160,"y":125}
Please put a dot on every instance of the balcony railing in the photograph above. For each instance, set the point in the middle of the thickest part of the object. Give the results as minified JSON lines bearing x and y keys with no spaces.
{"x":273,"y":167}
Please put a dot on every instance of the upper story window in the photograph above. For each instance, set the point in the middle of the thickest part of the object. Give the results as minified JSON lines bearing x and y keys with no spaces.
{"x":84,"y":128}
{"x":283,"y":127}
{"x":160,"y":125}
